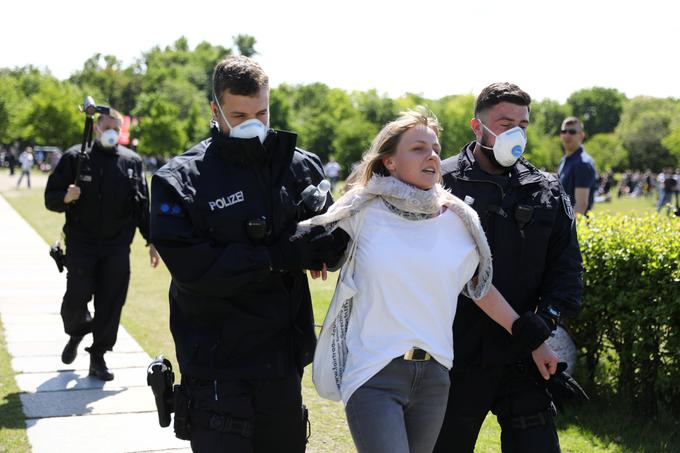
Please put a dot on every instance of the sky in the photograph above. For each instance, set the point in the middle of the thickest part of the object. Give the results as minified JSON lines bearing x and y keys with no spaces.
{"x":434,"y":48}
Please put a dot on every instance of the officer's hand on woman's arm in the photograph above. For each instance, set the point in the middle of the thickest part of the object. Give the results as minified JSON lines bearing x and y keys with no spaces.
{"x":72,"y":194}
{"x":154,"y":257}
{"x":545,"y":360}
{"x":313,"y":251}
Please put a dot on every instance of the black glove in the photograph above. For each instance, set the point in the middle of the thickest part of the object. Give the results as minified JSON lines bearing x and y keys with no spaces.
{"x":530,"y":330}
{"x":564,"y":388}
{"x":311,"y":251}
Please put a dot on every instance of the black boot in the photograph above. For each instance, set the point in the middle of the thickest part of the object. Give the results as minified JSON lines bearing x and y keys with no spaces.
{"x":68,"y":355}
{"x":98,"y":368}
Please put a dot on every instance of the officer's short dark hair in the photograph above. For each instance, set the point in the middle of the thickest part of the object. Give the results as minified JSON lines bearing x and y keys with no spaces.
{"x":501,"y":92}
{"x":239,"y":75}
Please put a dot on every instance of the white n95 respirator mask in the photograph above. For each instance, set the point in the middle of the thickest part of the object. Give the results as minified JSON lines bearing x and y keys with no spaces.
{"x":109,"y":138}
{"x":248,"y":129}
{"x":509,"y":145}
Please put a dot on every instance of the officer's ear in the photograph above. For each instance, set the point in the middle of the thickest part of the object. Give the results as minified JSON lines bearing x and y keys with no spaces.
{"x":213,"y":109}
{"x":476,"y":127}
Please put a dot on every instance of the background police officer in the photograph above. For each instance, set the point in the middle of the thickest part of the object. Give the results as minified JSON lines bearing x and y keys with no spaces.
{"x":240,"y":307}
{"x":529,"y":223}
{"x":103,"y":208}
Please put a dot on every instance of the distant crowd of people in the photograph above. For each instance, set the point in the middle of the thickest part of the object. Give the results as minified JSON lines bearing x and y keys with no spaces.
{"x":635,"y":183}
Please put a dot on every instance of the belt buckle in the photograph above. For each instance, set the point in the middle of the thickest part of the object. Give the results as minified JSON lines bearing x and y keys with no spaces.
{"x":417,"y":355}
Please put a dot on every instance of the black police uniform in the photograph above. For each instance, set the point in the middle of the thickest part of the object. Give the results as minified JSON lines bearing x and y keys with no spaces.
{"x":99,"y":228}
{"x":529,"y":223}
{"x":243,"y":327}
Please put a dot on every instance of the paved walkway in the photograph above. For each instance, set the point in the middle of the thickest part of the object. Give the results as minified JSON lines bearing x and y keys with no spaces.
{"x":67,"y":411}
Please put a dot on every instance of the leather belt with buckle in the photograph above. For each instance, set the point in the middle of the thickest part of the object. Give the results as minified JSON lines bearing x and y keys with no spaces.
{"x":417,"y":355}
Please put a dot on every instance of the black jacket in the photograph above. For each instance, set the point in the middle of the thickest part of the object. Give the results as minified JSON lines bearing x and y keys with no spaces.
{"x":230,"y":315}
{"x":114,"y":196}
{"x":530,"y":226}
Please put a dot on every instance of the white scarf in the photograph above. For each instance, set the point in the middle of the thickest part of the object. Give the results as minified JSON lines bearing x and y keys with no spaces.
{"x":411,"y":199}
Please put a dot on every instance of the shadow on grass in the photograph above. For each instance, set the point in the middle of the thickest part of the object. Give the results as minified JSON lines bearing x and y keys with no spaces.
{"x":11,"y":415}
{"x":615,"y":422}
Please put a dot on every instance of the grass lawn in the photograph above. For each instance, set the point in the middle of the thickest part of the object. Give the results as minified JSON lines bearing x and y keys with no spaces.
{"x":603,"y":426}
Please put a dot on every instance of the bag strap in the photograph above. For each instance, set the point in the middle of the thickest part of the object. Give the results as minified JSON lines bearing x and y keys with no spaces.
{"x":352,"y":251}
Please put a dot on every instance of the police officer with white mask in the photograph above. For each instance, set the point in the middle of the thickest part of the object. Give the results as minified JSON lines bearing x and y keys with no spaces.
{"x":103,"y":207}
{"x":537,"y":267}
{"x":222,"y":217}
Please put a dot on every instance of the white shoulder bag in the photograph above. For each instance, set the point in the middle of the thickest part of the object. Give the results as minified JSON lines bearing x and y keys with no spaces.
{"x":330,"y":354}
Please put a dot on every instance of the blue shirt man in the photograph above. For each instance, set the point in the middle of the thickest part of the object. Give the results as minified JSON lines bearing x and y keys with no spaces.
{"x":577,"y":168}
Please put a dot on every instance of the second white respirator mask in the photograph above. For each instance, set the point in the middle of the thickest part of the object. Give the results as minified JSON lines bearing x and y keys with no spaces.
{"x":509,"y":145}
{"x":109,"y":138}
{"x":248,"y":129}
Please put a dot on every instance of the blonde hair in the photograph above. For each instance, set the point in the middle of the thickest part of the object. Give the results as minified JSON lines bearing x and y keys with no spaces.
{"x":113,"y":113}
{"x":385,"y":144}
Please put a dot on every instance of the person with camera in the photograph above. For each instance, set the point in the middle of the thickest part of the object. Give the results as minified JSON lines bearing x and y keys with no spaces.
{"x":537,"y":266}
{"x":222,"y":217}
{"x":103,"y":207}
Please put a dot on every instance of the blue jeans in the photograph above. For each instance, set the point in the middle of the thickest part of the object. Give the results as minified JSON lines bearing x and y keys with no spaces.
{"x":400,"y":409}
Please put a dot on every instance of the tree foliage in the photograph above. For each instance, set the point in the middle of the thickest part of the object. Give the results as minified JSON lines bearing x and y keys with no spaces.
{"x":645,"y":122}
{"x":607,"y":150}
{"x":598,"y":108}
{"x":53,"y":117}
{"x":168,"y":89}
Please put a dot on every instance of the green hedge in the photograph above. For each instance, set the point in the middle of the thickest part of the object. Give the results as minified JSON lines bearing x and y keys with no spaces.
{"x":629,"y":328}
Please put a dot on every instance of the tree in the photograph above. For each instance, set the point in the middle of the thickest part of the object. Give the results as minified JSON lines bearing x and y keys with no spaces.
{"x":672,"y":142}
{"x":245,"y":44}
{"x":11,"y":100}
{"x":280,"y":107}
{"x":608,"y":152}
{"x":353,"y":136}
{"x":374,"y":108}
{"x":599,"y":108}
{"x":547,"y":116}
{"x":318,"y":111}
{"x":53,"y":117}
{"x":645,"y":122}
{"x":454,"y":114}
{"x":105,"y":79}
{"x":159,"y":130}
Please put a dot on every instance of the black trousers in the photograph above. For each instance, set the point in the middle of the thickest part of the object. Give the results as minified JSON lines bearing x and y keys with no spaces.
{"x":513,"y":394}
{"x":102,"y":273}
{"x":271,"y":409}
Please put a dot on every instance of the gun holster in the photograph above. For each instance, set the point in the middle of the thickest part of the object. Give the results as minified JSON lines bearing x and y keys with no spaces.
{"x":159,"y":377}
{"x":57,"y":254}
{"x":169,"y":398}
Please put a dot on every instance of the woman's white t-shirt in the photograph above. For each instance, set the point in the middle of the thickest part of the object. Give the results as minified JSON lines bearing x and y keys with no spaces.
{"x":408,"y":275}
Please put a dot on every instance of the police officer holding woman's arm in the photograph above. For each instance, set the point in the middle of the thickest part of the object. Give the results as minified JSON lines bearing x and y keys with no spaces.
{"x":529,"y":223}
{"x":240,"y":308}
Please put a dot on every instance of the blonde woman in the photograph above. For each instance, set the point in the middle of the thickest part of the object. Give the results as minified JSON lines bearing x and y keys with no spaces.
{"x":418,"y":247}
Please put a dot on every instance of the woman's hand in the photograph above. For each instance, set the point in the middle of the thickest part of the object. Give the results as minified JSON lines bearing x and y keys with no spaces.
{"x":545,"y":360}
